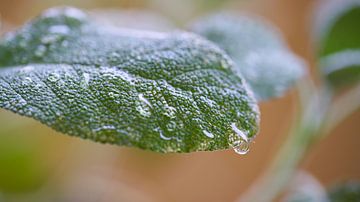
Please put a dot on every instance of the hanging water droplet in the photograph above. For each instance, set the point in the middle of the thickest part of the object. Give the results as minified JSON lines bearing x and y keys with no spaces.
{"x":53,"y":77}
{"x":239,"y":141}
{"x":241,"y":147}
{"x":208,"y":134}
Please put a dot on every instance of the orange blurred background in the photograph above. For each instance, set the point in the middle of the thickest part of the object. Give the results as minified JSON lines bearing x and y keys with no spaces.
{"x":48,"y":166}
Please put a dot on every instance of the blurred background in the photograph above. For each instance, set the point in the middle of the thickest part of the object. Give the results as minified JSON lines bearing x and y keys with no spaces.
{"x":39,"y":164}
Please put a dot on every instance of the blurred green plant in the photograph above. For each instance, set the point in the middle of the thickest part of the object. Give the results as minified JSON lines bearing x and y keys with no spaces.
{"x":345,"y":192}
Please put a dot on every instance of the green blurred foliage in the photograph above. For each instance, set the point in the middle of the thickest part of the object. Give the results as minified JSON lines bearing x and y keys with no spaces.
{"x":20,"y":170}
{"x":347,"y":192}
{"x":339,"y":48}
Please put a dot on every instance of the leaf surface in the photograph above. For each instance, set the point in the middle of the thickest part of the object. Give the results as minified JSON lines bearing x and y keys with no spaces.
{"x":165,"y":92}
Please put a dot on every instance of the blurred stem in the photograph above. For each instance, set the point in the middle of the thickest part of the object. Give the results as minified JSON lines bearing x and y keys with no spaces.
{"x":342,"y":108}
{"x":306,"y":126}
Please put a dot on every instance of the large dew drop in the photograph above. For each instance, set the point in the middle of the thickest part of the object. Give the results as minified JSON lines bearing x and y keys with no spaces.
{"x":239,"y":141}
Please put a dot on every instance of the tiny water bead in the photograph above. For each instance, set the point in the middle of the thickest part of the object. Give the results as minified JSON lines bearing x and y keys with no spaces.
{"x":170,"y":112}
{"x":143,"y":107}
{"x":144,"y":100}
{"x":113,"y":95}
{"x":162,"y":136}
{"x":239,"y":132}
{"x":53,"y":77}
{"x":208,"y":134}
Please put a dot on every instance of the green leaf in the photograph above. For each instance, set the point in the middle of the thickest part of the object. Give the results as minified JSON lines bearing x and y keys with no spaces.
{"x":164,"y":92}
{"x":305,"y":188}
{"x":258,"y":50}
{"x":342,"y":68}
{"x":337,"y":33}
{"x":346,"y":192}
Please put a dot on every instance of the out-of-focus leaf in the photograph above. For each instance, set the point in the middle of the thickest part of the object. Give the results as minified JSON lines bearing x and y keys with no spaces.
{"x":19,"y":169}
{"x":348,"y":192}
{"x":170,"y":92}
{"x":337,"y":33}
{"x":258,"y":50}
{"x":305,"y":188}
{"x":343,"y":67}
{"x":132,"y":19}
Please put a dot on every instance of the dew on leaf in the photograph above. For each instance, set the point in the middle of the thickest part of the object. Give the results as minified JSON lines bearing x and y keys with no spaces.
{"x":208,"y":134}
{"x":53,"y":77}
{"x":144,"y":100}
{"x":170,"y":112}
{"x":171,"y":126}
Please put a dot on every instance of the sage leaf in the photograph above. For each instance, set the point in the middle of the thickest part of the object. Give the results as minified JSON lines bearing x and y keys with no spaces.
{"x":347,"y":191}
{"x":165,"y":92}
{"x":260,"y":53}
{"x":337,"y":33}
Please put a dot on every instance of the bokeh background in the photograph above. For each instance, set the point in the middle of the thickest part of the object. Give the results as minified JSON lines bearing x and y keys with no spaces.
{"x":39,"y":164}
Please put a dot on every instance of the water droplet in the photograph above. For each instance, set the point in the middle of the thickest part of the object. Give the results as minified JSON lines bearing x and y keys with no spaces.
{"x":239,"y":141}
{"x":106,"y":127}
{"x":162,"y":136}
{"x":225,"y":64}
{"x":53,"y":77}
{"x":143,"y":107}
{"x":85,"y":81}
{"x":27,"y":80}
{"x":208,"y":134}
{"x":144,"y":100}
{"x":241,"y":147}
{"x":143,"y":111}
{"x":239,"y":132}
{"x":171,"y":126}
{"x":170,"y":112}
{"x":40,"y":51}
{"x":113,"y":95}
